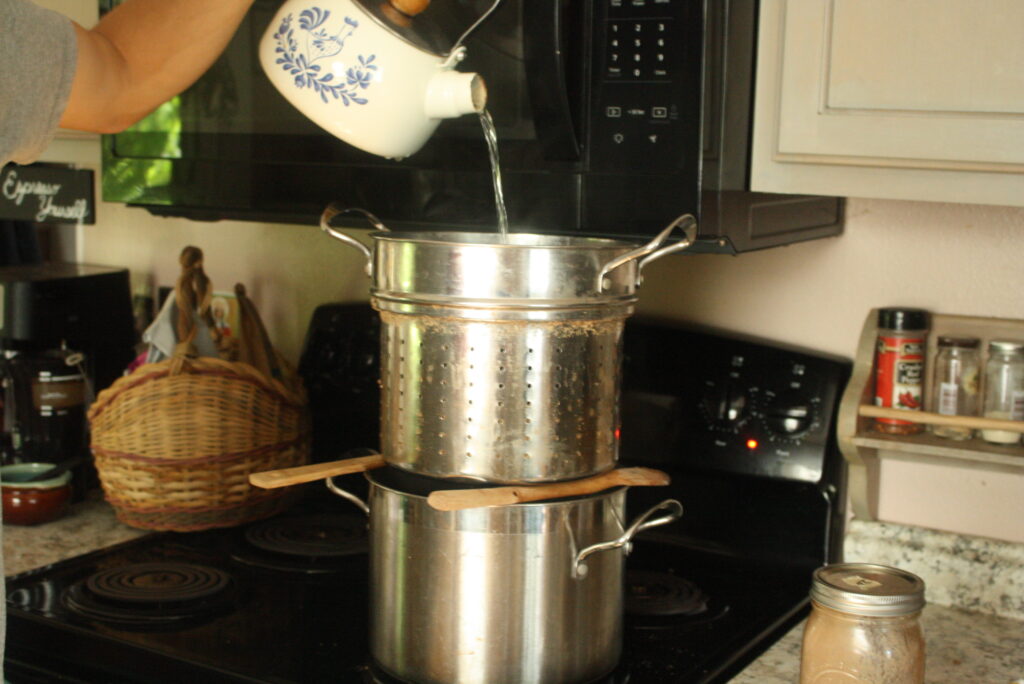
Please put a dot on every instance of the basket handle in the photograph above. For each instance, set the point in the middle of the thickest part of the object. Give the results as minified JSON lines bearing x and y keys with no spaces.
{"x":192,"y":294}
{"x":255,"y":347}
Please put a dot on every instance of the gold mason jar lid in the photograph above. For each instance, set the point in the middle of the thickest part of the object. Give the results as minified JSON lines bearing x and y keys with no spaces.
{"x":868,"y":589}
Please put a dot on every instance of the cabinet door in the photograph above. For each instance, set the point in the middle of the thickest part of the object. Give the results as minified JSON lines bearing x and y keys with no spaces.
{"x":908,"y":99}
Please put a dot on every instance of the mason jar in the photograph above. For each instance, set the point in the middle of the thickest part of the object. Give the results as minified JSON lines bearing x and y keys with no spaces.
{"x":1004,"y":388}
{"x":864,"y":626}
{"x":956,"y":382}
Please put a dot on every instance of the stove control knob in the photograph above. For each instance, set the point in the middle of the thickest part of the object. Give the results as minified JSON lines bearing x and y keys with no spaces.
{"x":724,"y":405}
{"x":788,"y":414}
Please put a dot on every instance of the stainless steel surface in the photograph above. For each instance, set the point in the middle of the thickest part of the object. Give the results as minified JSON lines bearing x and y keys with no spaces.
{"x":517,"y":270}
{"x":503,"y":401}
{"x":491,"y":272}
{"x":500,"y":353}
{"x":489,"y":595}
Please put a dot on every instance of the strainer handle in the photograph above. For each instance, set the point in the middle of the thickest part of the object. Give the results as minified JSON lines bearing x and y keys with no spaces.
{"x":334,"y":209}
{"x":652,"y":250}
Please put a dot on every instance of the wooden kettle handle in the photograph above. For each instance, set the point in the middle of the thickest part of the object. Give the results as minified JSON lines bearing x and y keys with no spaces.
{"x":459,"y":499}
{"x":285,"y":477}
{"x":410,"y":8}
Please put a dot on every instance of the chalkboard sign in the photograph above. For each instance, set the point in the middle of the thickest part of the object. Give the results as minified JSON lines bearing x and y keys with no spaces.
{"x":46,"y":193}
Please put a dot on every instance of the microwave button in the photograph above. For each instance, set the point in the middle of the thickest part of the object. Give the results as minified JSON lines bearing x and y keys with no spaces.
{"x":613,"y":112}
{"x":659,"y":112}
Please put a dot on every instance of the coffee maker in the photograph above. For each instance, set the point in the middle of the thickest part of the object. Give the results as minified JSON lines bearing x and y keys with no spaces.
{"x":66,"y":332}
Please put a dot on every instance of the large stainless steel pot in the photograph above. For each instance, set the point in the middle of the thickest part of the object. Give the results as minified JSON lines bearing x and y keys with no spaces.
{"x":526,"y":593}
{"x":501,"y":354}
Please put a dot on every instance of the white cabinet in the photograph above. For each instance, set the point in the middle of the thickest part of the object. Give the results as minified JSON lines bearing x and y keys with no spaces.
{"x":901,"y":99}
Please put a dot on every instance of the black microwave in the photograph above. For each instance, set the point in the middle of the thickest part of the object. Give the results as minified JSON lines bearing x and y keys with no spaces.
{"x":613,"y":118}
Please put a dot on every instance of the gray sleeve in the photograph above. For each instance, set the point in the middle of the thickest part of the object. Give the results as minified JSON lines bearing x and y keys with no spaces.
{"x":37,"y":65}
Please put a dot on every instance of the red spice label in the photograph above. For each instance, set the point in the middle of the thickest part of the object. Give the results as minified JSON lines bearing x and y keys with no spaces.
{"x":899,"y":370}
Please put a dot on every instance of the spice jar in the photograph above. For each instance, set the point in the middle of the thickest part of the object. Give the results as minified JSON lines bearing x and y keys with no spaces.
{"x":1004,"y":388}
{"x":956,"y":380}
{"x":899,"y":366}
{"x":864,"y":626}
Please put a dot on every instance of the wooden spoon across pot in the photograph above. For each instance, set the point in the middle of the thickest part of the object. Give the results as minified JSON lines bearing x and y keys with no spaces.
{"x":285,"y":477}
{"x":459,"y":499}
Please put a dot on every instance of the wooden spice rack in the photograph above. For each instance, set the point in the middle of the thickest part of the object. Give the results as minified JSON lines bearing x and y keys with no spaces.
{"x":863,"y":447}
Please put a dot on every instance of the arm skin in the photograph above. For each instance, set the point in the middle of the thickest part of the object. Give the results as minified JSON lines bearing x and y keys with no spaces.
{"x":143,"y":53}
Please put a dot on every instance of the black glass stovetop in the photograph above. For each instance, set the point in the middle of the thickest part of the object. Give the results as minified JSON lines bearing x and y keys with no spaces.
{"x":283,"y":618}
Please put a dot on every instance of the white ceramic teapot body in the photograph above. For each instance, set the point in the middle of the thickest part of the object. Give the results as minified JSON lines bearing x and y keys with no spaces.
{"x":359,"y":81}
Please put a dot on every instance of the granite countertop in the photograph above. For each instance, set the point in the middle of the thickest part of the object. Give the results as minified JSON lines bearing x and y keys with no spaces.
{"x":961,"y":647}
{"x":973,"y":623}
{"x":88,"y":525}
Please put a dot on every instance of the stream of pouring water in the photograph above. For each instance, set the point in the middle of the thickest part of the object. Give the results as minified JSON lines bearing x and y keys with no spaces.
{"x":491,"y":136}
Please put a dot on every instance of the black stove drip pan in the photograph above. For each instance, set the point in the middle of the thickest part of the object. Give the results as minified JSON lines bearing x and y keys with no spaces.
{"x":152,"y":596}
{"x":317,"y":543}
{"x":655,"y":600}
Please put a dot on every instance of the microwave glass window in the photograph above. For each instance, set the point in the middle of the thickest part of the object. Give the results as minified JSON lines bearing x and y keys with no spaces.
{"x":235,"y":97}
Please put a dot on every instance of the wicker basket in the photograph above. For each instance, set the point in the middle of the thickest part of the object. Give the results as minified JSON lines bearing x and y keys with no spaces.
{"x":175,"y":441}
{"x":174,"y":450}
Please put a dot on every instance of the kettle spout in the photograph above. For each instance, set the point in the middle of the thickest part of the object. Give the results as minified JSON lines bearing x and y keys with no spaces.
{"x":452,"y":93}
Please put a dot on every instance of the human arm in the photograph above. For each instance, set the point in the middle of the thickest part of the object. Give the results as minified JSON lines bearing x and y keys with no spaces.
{"x":143,"y":53}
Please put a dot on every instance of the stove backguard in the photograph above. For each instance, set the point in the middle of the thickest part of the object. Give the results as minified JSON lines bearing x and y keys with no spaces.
{"x":747,"y":428}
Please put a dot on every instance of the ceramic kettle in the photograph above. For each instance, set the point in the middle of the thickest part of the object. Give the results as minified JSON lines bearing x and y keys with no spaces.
{"x":363,"y":71}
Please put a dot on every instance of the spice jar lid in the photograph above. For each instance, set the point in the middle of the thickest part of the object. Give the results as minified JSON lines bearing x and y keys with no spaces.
{"x":963,"y":342}
{"x":1010,"y":346}
{"x":868,"y":589}
{"x":903,"y":319}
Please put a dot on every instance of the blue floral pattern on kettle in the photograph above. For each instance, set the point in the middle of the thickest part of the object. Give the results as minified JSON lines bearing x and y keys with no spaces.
{"x":322,"y":44}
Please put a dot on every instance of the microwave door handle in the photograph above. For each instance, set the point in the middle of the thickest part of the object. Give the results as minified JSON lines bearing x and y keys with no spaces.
{"x":545,"y":58}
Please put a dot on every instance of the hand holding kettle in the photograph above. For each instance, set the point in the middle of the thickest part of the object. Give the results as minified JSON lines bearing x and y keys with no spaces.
{"x":365,"y":72}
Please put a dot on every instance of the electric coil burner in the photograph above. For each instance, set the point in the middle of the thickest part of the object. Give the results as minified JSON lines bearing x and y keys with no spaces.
{"x":656,"y":600}
{"x":744,"y":427}
{"x":151,"y":595}
{"x":311,"y":544}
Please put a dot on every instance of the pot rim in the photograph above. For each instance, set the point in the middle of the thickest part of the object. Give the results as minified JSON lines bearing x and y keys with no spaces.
{"x":547,"y":503}
{"x":511,"y":240}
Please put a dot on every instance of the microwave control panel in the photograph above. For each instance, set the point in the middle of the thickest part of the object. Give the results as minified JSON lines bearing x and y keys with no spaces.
{"x":646,"y":86}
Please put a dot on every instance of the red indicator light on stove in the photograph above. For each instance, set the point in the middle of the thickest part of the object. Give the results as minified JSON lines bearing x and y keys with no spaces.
{"x":752,"y":444}
{"x":618,"y":433}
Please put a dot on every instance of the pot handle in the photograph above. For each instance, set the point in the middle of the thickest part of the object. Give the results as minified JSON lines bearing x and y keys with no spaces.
{"x":334,"y":209}
{"x":347,"y":495}
{"x":579,"y":567}
{"x":652,"y":250}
